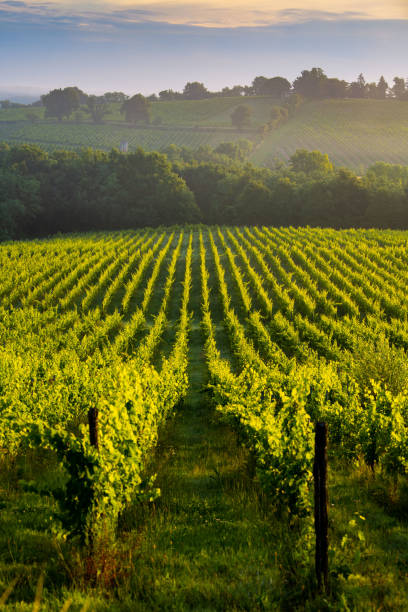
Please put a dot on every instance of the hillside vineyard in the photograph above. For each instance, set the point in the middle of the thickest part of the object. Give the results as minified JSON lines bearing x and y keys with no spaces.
{"x":291,"y":323}
{"x":355,"y":133}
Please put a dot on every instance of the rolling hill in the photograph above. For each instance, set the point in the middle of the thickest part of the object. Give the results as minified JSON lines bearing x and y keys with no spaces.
{"x":354,"y":133}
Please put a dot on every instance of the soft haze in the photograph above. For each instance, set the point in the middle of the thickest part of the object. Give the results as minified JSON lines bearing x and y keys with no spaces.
{"x":148,"y":46}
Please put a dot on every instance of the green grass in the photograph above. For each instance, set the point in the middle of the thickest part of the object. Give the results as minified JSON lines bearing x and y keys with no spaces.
{"x":213,"y":541}
{"x":20,"y":114}
{"x":204,"y":545}
{"x":354,"y":133}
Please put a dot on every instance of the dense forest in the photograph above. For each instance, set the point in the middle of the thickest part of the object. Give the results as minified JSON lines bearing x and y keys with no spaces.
{"x":43,"y":193}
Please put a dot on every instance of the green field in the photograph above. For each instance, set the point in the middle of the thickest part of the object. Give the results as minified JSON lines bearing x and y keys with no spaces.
{"x":214,"y":112}
{"x":354,"y":133}
{"x":208,"y":355}
{"x":75,"y":136}
{"x":198,"y":117}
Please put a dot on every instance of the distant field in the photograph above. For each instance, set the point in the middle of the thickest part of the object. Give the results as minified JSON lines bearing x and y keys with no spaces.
{"x":212,"y":112}
{"x":354,"y":133}
{"x":53,"y":136}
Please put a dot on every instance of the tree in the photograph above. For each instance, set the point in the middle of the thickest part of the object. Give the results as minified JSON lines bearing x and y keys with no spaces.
{"x":173,"y":153}
{"x":334,"y":88}
{"x":151,"y":193}
{"x":371,"y":91}
{"x":168,"y":95}
{"x":19,"y":202}
{"x":293,"y":103}
{"x":361,"y":81}
{"x":277,"y":87}
{"x":238,"y":151}
{"x":349,"y":197}
{"x":259,"y":85}
{"x":136,"y":109}
{"x":81,"y":94}
{"x":399,"y":89}
{"x":97,"y":108}
{"x":377,"y":91}
{"x":241,"y":116}
{"x":388,"y":173}
{"x":311,"y":83}
{"x":358,"y":89}
{"x":310,"y":162}
{"x":233,"y":92}
{"x":283,"y":208}
{"x":204,"y":180}
{"x":382,"y":88}
{"x":61,"y":103}
{"x":28,"y":159}
{"x":115,"y":96}
{"x":195,"y":91}
{"x":254,"y":203}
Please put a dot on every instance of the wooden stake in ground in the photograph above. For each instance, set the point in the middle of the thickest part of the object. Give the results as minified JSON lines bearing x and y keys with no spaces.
{"x":320,"y":509}
{"x":93,"y":439}
{"x":93,"y":427}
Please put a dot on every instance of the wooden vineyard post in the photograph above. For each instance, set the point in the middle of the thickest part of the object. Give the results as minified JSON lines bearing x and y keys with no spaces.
{"x":93,"y":427}
{"x":94,"y":441}
{"x":320,"y":506}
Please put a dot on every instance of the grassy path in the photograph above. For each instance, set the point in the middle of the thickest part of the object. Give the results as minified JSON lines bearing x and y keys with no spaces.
{"x":206,"y":545}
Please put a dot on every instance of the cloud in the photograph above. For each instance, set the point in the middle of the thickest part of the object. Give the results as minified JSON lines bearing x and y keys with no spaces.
{"x":14,"y":3}
{"x":129,"y":50}
{"x":295,"y":15}
{"x":207,"y":13}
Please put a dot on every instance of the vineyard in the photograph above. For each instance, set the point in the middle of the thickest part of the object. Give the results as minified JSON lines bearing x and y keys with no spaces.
{"x":53,"y":136}
{"x":110,"y":340}
{"x":354,"y":133}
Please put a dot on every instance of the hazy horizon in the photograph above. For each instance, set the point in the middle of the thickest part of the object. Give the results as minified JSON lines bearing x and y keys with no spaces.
{"x":148,"y":46}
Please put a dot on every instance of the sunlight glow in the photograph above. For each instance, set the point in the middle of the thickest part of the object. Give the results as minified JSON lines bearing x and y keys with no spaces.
{"x":220,"y":13}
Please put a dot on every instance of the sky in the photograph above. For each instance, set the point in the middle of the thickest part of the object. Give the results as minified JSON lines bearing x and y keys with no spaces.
{"x":147,"y":45}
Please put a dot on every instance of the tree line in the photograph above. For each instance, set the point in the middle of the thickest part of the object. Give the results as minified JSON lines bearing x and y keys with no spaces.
{"x":43,"y":193}
{"x":60,"y":103}
{"x":310,"y":84}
